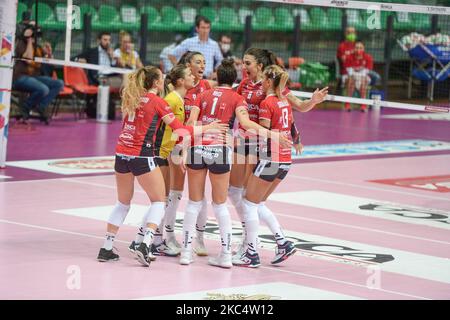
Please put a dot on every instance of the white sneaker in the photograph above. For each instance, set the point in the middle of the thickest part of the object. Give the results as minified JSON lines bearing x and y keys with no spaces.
{"x":223,"y":260}
{"x":199,"y":247}
{"x":173,"y":243}
{"x":239,"y":251}
{"x":186,"y":257}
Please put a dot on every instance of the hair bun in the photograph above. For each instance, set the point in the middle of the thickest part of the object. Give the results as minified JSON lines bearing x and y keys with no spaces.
{"x":228,"y":62}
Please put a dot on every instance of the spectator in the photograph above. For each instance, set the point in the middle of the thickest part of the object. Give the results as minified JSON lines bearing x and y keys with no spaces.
{"x":347,"y":48}
{"x":27,"y":76}
{"x":165,"y":63}
{"x":126,"y":56}
{"x":201,"y":43}
{"x":225,"y":46}
{"x":357,"y":67}
{"x":102,"y":55}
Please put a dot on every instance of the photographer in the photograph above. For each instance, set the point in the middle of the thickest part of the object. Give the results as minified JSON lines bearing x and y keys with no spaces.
{"x":27,"y":76}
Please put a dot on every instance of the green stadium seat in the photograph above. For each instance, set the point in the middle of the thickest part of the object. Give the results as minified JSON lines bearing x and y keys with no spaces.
{"x":210,"y":13}
{"x":46,"y":17}
{"x":228,"y":20}
{"x":130,"y":18}
{"x":61,"y":16}
{"x":283,"y":19}
{"x":188,"y":15}
{"x":263,"y":19}
{"x":358,"y":19}
{"x":421,"y":21}
{"x":403,"y":21}
{"x":243,"y":13}
{"x":21,"y":8}
{"x":108,"y":19}
{"x":335,"y":18}
{"x":154,"y":19}
{"x":319,"y":19}
{"x":305,"y":20}
{"x":171,"y":20}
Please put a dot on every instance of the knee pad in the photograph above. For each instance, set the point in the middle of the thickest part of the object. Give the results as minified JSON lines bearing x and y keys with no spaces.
{"x":156,"y":213}
{"x":118,"y":214}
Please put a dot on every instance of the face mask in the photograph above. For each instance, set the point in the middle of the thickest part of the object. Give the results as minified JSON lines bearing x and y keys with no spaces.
{"x":225,"y":47}
{"x":359,"y":51}
{"x":351,"y":37}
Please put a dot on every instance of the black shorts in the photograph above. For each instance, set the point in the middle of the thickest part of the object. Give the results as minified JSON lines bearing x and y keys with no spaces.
{"x":135,"y":165}
{"x":269,"y":171}
{"x":247,"y":147}
{"x":161,"y":162}
{"x":217,"y":159}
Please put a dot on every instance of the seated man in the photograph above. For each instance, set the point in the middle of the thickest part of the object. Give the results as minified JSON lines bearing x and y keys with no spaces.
{"x":357,"y":67}
{"x":27,"y":76}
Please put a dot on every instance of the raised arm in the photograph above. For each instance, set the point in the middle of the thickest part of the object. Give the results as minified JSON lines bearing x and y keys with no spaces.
{"x":304,"y":106}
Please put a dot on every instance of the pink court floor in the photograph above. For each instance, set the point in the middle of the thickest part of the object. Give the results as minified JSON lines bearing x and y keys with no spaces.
{"x":367,"y":206}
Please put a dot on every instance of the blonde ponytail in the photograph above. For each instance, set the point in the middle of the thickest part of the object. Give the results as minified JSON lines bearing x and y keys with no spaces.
{"x":279,"y":78}
{"x":136,"y":86}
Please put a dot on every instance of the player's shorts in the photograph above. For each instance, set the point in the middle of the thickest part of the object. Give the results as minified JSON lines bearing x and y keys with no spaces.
{"x":217,"y":159}
{"x":269,"y":170}
{"x":161,"y":162}
{"x":134,"y":164}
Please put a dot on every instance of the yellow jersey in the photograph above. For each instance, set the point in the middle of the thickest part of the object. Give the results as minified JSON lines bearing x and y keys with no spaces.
{"x":176,"y":103}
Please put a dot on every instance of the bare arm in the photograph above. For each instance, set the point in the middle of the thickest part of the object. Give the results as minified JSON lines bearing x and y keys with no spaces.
{"x":193,"y":117}
{"x":173,"y":59}
{"x":307,"y":105}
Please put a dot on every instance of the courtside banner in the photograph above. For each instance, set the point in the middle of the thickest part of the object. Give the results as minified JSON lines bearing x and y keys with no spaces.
{"x":365,"y":5}
{"x":8,"y":12}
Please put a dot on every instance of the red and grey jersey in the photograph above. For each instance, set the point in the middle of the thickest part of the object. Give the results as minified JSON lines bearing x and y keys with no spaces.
{"x":254,"y":95}
{"x":142,"y":133}
{"x":279,"y":113}
{"x":192,"y":95}
{"x":218,"y":104}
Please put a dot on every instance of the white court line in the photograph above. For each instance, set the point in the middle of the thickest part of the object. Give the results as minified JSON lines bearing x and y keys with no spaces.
{"x":294,"y":217}
{"x":268,"y":268}
{"x":344,"y":282}
{"x":361,"y":228}
{"x":367,"y":187}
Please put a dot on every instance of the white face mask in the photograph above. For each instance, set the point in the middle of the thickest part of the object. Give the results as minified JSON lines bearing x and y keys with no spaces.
{"x":225,"y":47}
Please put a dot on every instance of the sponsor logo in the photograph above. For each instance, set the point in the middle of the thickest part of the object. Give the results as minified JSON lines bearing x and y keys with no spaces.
{"x":437,"y":9}
{"x":84,"y":164}
{"x":339,"y":3}
{"x":145,"y":99}
{"x":129,"y":127}
{"x":437,"y":109}
{"x":217,"y":94}
{"x":386,"y":7}
{"x":433,"y":183}
{"x":126,"y":136}
{"x":240,"y":296}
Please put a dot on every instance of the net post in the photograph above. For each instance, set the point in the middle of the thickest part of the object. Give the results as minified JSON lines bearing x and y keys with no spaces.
{"x":344,"y":23}
{"x":248,"y":32}
{"x":296,"y":38}
{"x":388,"y":52}
{"x":144,"y":38}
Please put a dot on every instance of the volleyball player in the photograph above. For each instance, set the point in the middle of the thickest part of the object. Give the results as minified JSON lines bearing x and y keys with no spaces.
{"x":196,"y":63}
{"x":246,"y":151}
{"x":139,"y":143}
{"x":214,"y":156}
{"x":180,"y":79}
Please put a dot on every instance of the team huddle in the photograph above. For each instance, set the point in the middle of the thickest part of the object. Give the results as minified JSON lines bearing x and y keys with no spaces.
{"x":186,"y":125}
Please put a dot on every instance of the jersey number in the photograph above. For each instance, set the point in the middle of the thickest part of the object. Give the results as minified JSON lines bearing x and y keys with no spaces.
{"x":285,"y":117}
{"x":213,"y":109}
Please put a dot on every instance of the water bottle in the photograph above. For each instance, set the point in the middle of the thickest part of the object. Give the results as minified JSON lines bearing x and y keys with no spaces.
{"x":102,"y":101}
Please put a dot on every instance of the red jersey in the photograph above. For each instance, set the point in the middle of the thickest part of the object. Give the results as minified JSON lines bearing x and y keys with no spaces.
{"x":218,"y":104}
{"x":345,"y":49}
{"x":254,"y":95}
{"x":142,"y":134}
{"x":279,"y":113}
{"x":356,"y":62}
{"x":190,"y":99}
